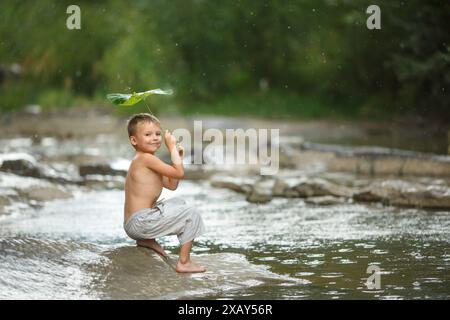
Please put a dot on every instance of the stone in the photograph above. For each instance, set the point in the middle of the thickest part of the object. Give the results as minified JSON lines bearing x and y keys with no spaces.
{"x":402,"y":193}
{"x":320,"y":187}
{"x":326,"y":200}
{"x":279,"y":188}
{"x":45,"y":193}
{"x":261,"y":192}
{"x":100,"y":169}
{"x":243,"y":185}
{"x":22,"y":167}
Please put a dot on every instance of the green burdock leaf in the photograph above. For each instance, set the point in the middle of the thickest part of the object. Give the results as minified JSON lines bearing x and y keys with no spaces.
{"x":129,"y":99}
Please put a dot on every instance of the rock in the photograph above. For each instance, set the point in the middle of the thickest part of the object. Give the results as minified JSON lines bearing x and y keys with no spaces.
{"x":131,"y":272}
{"x":261,"y":192}
{"x":402,"y":193}
{"x":376,"y":160}
{"x":279,"y":188}
{"x":387,"y":165}
{"x":244,"y":185}
{"x":4,"y":201}
{"x":257,"y":197}
{"x":22,"y":167}
{"x":25,"y":165}
{"x":100,"y":169}
{"x":427,"y":167}
{"x":291,"y":193}
{"x":45,"y":193}
{"x":368,"y":195}
{"x":198,"y":174}
{"x":320,"y":187}
{"x":326,"y":200}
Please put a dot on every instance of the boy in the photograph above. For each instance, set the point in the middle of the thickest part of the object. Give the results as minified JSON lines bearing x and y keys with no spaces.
{"x":145,"y":217}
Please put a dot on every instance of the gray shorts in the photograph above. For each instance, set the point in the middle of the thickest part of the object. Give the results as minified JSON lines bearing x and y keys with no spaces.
{"x":167,"y":217}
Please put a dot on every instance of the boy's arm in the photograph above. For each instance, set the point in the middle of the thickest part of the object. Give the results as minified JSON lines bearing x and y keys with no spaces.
{"x":176,"y":170}
{"x":170,"y":183}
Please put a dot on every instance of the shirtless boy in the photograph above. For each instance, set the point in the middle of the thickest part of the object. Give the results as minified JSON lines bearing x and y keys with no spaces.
{"x":145,"y":217}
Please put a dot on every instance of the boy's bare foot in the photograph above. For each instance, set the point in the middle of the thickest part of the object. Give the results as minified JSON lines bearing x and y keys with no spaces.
{"x":189,"y":267}
{"x":152,"y":244}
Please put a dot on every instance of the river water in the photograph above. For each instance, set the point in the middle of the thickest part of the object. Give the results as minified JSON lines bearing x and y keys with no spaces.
{"x":76,"y":249}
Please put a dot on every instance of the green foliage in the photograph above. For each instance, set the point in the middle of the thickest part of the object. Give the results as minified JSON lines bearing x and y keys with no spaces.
{"x":273,"y":104}
{"x":55,"y":98}
{"x":266,"y":55}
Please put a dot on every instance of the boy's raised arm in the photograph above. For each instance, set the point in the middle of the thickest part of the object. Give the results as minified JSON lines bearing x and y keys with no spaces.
{"x":170,"y":183}
{"x":175,"y":170}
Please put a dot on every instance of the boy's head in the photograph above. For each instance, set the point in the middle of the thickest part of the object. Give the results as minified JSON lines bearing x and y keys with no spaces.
{"x":144,"y":131}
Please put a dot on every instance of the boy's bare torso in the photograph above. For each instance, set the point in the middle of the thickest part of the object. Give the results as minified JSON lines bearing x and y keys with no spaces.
{"x":142,"y":187}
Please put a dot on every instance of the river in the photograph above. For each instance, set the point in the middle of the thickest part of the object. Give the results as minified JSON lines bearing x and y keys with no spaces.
{"x":75,"y":247}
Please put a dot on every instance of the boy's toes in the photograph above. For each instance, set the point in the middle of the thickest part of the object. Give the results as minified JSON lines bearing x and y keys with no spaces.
{"x":189,"y":267}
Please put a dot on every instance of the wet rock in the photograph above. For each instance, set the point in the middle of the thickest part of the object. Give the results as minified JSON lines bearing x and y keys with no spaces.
{"x":402,"y":193}
{"x":387,"y":165}
{"x":427,"y":167}
{"x":198,"y":174}
{"x":4,"y":201}
{"x":100,"y":169}
{"x":326,"y":200}
{"x":138,"y":273}
{"x":244,"y":185}
{"x":25,"y":165}
{"x":291,"y":193}
{"x":25,"y":189}
{"x":261,"y":192}
{"x":288,"y":157}
{"x":376,"y":160}
{"x":320,"y":187}
{"x":22,"y":166}
{"x":368,"y":195}
{"x":279,"y":188}
{"x":47,"y":193}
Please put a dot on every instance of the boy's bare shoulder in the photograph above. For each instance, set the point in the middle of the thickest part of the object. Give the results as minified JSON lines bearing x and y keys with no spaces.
{"x":144,"y":157}
{"x":144,"y":160}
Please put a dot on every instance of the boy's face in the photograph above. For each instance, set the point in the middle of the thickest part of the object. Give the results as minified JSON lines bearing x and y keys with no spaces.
{"x":148,"y":137}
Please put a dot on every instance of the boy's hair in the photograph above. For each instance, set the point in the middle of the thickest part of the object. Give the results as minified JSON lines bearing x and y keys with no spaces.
{"x":138,"y":118}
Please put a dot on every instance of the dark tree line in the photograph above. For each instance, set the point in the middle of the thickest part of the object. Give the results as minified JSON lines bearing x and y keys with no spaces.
{"x":208,"y":49}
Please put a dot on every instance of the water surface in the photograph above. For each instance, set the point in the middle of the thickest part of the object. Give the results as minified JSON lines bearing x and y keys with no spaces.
{"x":286,"y":249}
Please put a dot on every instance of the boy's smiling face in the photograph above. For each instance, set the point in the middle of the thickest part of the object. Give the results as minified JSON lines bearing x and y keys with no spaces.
{"x":148,"y":137}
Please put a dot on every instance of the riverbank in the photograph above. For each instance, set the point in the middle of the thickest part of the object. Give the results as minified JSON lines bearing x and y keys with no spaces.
{"x":89,"y":148}
{"x":405,"y":133}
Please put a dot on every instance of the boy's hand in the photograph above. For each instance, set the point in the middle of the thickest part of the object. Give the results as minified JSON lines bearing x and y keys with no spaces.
{"x":170,"y":140}
{"x":180,"y":150}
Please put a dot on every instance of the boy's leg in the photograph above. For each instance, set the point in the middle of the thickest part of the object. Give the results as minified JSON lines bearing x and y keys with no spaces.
{"x":152,"y":244}
{"x":185,"y":264}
